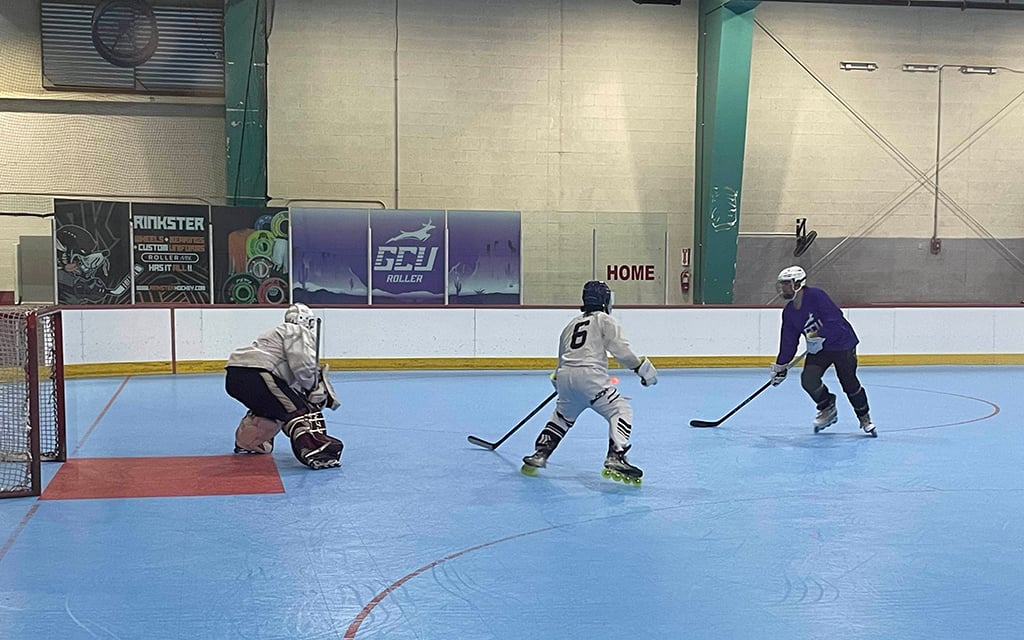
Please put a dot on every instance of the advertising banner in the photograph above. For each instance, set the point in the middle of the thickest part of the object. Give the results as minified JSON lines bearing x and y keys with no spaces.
{"x":172,"y":253}
{"x":407,"y":250}
{"x":250,"y":255}
{"x":329,"y":249}
{"x":92,"y":242}
{"x":484,"y":257}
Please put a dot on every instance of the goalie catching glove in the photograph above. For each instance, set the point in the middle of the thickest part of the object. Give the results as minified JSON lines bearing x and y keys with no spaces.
{"x":648,"y":374}
{"x":322,"y":394}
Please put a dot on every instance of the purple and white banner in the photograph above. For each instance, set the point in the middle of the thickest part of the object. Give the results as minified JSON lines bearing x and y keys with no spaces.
{"x":329,"y":249}
{"x":484,"y":257}
{"x":408,"y":257}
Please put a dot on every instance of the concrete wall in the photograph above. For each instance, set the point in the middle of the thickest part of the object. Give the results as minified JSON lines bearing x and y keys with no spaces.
{"x":887,"y":270}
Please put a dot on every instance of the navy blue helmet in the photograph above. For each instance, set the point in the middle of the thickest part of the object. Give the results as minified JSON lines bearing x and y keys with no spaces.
{"x":597,"y":297}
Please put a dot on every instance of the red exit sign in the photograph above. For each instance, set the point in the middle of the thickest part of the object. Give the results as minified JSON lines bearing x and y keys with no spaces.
{"x":630,"y":272}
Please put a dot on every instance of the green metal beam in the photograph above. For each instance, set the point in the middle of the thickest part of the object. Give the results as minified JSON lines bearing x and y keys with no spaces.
{"x":723,"y":84}
{"x":245,"y":101}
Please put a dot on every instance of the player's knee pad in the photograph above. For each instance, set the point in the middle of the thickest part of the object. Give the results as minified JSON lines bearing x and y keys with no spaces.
{"x":310,"y":443}
{"x":255,"y":434}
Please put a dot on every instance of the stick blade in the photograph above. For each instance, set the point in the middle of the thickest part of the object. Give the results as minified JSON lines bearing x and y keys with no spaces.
{"x":480,"y":443}
{"x":703,"y":423}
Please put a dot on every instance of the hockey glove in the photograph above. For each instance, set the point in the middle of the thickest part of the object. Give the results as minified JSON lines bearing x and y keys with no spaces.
{"x":779,"y":372}
{"x":648,"y":374}
{"x":815,"y":343}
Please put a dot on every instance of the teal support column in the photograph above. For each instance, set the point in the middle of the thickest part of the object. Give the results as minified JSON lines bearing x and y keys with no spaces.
{"x":245,"y":101}
{"x":723,"y":84}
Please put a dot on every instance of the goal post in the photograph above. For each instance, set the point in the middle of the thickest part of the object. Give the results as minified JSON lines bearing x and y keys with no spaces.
{"x":32,"y":419}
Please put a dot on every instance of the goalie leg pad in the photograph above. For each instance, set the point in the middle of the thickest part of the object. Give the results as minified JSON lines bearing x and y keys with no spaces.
{"x":255,"y":434}
{"x":310,"y":443}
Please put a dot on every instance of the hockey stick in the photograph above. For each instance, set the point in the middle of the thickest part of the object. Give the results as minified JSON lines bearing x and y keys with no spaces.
{"x":707,"y":423}
{"x":494,"y":445}
{"x":318,"y":321}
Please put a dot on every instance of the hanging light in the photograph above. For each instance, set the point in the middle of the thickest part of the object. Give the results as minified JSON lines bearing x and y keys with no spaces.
{"x":857,"y":66}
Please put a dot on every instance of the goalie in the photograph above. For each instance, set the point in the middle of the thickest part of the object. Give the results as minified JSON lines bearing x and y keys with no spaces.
{"x":279,"y":381}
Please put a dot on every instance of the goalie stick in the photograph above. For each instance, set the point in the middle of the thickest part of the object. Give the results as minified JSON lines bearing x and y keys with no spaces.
{"x":494,"y":445}
{"x":318,"y":320}
{"x":715,"y":423}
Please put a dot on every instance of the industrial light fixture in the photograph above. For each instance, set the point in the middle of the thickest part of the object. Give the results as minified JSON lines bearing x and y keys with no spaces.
{"x":855,"y":66}
{"x":671,"y":2}
{"x":920,"y":68}
{"x":988,"y":71}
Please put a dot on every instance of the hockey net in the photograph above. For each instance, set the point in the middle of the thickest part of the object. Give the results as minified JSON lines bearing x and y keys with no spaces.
{"x":32,"y":427}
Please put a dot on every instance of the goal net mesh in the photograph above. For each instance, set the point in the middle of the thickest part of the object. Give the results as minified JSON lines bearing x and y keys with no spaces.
{"x":31,"y":397}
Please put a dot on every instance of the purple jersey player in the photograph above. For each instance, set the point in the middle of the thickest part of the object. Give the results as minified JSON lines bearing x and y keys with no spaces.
{"x":830,"y":339}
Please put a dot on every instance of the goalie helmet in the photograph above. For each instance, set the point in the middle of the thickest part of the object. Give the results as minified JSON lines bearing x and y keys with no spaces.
{"x":795,"y":276}
{"x":597,"y":296}
{"x":301,"y":315}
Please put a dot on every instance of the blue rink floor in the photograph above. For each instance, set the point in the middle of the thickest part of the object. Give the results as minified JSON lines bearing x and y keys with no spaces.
{"x":755,"y":529}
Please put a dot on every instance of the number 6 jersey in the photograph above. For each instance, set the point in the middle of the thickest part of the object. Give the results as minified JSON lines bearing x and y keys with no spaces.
{"x":588,"y":339}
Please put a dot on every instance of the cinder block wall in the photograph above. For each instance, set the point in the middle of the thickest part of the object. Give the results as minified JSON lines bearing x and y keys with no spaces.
{"x":134,"y":146}
{"x":854,"y":153}
{"x":579,"y":113}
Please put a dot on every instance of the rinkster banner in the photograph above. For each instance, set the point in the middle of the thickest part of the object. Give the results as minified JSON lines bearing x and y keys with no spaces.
{"x":408,"y":256}
{"x":92,"y":245}
{"x":172,"y":253}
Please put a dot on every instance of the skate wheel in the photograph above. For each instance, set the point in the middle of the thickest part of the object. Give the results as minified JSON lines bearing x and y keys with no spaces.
{"x":637,"y":481}
{"x":527,"y":470}
{"x":606,"y":473}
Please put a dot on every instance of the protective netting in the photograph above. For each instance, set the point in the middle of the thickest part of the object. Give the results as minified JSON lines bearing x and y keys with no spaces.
{"x":31,"y":397}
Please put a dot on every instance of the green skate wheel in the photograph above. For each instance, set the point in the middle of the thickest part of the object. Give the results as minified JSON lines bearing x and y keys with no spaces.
{"x":527,"y":470}
{"x":638,"y":481}
{"x":606,"y":473}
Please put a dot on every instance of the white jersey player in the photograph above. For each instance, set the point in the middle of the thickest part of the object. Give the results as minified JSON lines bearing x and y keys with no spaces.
{"x":278,"y":378}
{"x":582,"y":382}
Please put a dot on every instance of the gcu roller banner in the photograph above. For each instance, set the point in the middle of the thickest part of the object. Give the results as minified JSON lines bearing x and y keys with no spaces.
{"x":408,"y":258}
{"x":92,"y":242}
{"x":329,"y":249}
{"x":172,"y":256}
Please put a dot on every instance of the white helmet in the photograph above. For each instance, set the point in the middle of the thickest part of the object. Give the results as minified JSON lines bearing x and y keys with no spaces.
{"x":794,"y":275}
{"x":300,"y":314}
